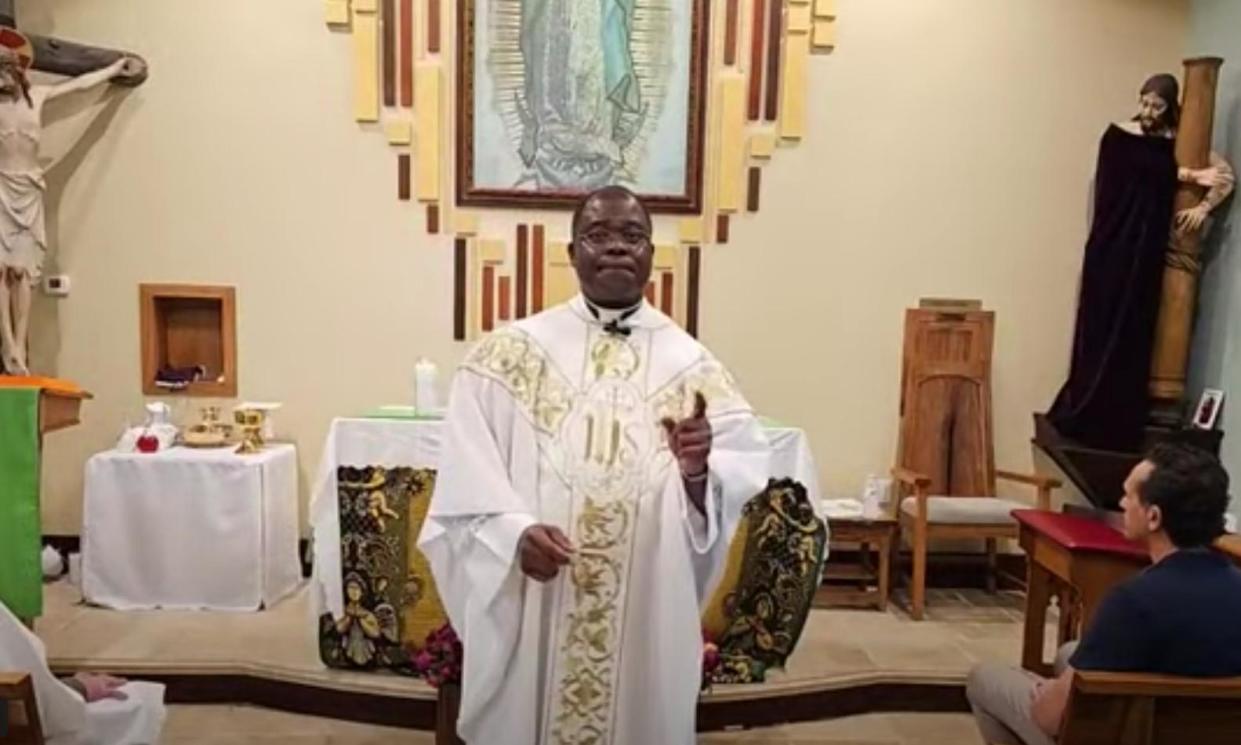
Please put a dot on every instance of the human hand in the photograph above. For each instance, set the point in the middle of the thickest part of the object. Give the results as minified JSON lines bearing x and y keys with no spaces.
{"x":1210,"y":177}
{"x":97,"y":687}
{"x":690,"y":439}
{"x":1191,"y":219}
{"x":542,"y":550}
{"x":130,"y":70}
{"x":133,"y":66}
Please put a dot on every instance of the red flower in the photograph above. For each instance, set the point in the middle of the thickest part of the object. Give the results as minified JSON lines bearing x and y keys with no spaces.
{"x":710,"y":661}
{"x":439,"y":660}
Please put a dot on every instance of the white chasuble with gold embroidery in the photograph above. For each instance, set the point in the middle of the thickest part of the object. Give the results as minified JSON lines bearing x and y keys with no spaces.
{"x":554,"y":420}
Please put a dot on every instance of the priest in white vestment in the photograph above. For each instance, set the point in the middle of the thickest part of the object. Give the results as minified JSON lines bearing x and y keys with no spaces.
{"x":87,"y":709}
{"x":595,"y":463}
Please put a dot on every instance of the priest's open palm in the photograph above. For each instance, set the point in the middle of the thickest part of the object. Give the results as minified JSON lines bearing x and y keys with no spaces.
{"x":542,"y":550}
{"x":690,"y":439}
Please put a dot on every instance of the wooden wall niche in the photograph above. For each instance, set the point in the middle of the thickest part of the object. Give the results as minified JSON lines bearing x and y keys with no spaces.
{"x":187,"y":325}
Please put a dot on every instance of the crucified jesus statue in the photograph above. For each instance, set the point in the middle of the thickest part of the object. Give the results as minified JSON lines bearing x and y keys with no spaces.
{"x":23,"y":241}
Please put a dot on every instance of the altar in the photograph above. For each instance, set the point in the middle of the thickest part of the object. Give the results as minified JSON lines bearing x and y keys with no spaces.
{"x":368,"y":501}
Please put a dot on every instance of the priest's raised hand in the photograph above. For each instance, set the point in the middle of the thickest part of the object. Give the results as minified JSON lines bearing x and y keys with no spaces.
{"x":690,"y":443}
{"x":543,"y":549}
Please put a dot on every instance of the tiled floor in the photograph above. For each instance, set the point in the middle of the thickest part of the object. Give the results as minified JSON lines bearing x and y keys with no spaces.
{"x":962,"y":628}
{"x":838,"y":648}
{"x":868,"y":729}
{"x":243,"y":725}
{"x":247,"y":725}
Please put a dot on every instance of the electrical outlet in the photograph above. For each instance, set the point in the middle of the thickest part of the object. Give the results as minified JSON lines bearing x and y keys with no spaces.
{"x":56,"y":285}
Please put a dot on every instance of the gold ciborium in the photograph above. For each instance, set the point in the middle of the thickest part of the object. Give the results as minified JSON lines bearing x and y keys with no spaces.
{"x":250,"y":422}
{"x":210,"y":432}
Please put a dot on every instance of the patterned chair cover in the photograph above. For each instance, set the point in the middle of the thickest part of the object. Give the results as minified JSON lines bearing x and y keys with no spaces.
{"x":773,"y":570}
{"x":391,"y":604}
{"x":755,"y":616}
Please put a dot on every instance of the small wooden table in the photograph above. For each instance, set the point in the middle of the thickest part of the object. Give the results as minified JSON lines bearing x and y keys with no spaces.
{"x":870,"y":577}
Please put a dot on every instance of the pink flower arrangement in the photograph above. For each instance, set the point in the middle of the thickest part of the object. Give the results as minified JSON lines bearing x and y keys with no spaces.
{"x":711,"y":661}
{"x":439,"y":660}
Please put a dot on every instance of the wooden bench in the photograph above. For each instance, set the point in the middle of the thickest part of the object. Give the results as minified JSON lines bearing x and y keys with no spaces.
{"x":1135,"y":709}
{"x":19,"y":720}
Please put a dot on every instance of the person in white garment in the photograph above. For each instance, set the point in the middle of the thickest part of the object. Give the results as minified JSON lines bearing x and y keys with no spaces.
{"x":595,"y":463}
{"x":87,"y":709}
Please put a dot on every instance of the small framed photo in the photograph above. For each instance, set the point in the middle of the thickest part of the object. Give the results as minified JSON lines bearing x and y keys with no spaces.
{"x":1208,"y":408}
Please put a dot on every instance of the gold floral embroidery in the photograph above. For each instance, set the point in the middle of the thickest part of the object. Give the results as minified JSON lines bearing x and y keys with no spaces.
{"x":605,"y":477}
{"x":613,"y":357}
{"x":676,"y":398}
{"x":521,"y":366}
{"x":391,"y":599}
{"x":774,"y":562}
{"x":589,"y":652}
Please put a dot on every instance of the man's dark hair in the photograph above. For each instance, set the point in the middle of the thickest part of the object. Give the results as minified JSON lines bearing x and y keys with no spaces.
{"x":1190,"y":488}
{"x":614,"y":190}
{"x":1166,"y":87}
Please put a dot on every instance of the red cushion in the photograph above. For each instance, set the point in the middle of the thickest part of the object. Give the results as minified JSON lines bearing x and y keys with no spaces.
{"x":1079,"y":533}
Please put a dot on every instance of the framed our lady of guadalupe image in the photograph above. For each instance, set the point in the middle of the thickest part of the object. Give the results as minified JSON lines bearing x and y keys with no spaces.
{"x":556,"y":98}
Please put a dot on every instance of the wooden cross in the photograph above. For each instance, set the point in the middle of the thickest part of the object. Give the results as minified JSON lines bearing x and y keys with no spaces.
{"x":70,"y":58}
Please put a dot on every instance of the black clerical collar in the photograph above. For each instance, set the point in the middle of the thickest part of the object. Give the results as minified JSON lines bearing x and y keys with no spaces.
{"x":614,"y":321}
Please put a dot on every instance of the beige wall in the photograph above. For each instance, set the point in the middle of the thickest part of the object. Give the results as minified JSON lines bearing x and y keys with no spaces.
{"x":1216,"y":361}
{"x":951,"y":150}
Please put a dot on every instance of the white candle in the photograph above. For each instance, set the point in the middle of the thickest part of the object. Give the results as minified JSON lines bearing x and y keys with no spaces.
{"x":425,"y":399}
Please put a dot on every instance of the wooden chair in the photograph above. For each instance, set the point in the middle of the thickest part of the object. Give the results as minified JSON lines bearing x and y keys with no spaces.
{"x":19,"y":723}
{"x":1133,"y":709}
{"x":945,"y":464}
{"x":923,"y":518}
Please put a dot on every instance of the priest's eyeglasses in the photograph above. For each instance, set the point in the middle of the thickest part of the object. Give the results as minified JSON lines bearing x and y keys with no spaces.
{"x":633,"y":239}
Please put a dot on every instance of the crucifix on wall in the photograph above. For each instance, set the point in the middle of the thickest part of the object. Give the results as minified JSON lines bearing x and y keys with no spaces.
{"x":23,"y":240}
{"x":62,"y":57}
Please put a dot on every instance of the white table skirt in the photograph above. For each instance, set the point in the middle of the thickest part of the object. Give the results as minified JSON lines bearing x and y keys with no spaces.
{"x":415,"y":443}
{"x":190,"y":529}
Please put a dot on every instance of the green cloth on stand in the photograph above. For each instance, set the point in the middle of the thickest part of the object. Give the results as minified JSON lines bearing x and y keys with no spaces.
{"x":401,"y":412}
{"x":21,"y":574}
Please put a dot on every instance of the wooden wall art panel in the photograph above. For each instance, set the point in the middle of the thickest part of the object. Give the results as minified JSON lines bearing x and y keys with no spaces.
{"x":760,"y":69}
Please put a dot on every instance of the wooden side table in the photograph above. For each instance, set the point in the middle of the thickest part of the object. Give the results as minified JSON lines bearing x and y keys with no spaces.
{"x":869,"y":580}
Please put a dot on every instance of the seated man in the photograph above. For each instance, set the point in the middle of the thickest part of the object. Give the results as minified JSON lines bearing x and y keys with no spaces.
{"x":85,"y":709}
{"x":1178,"y":617}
